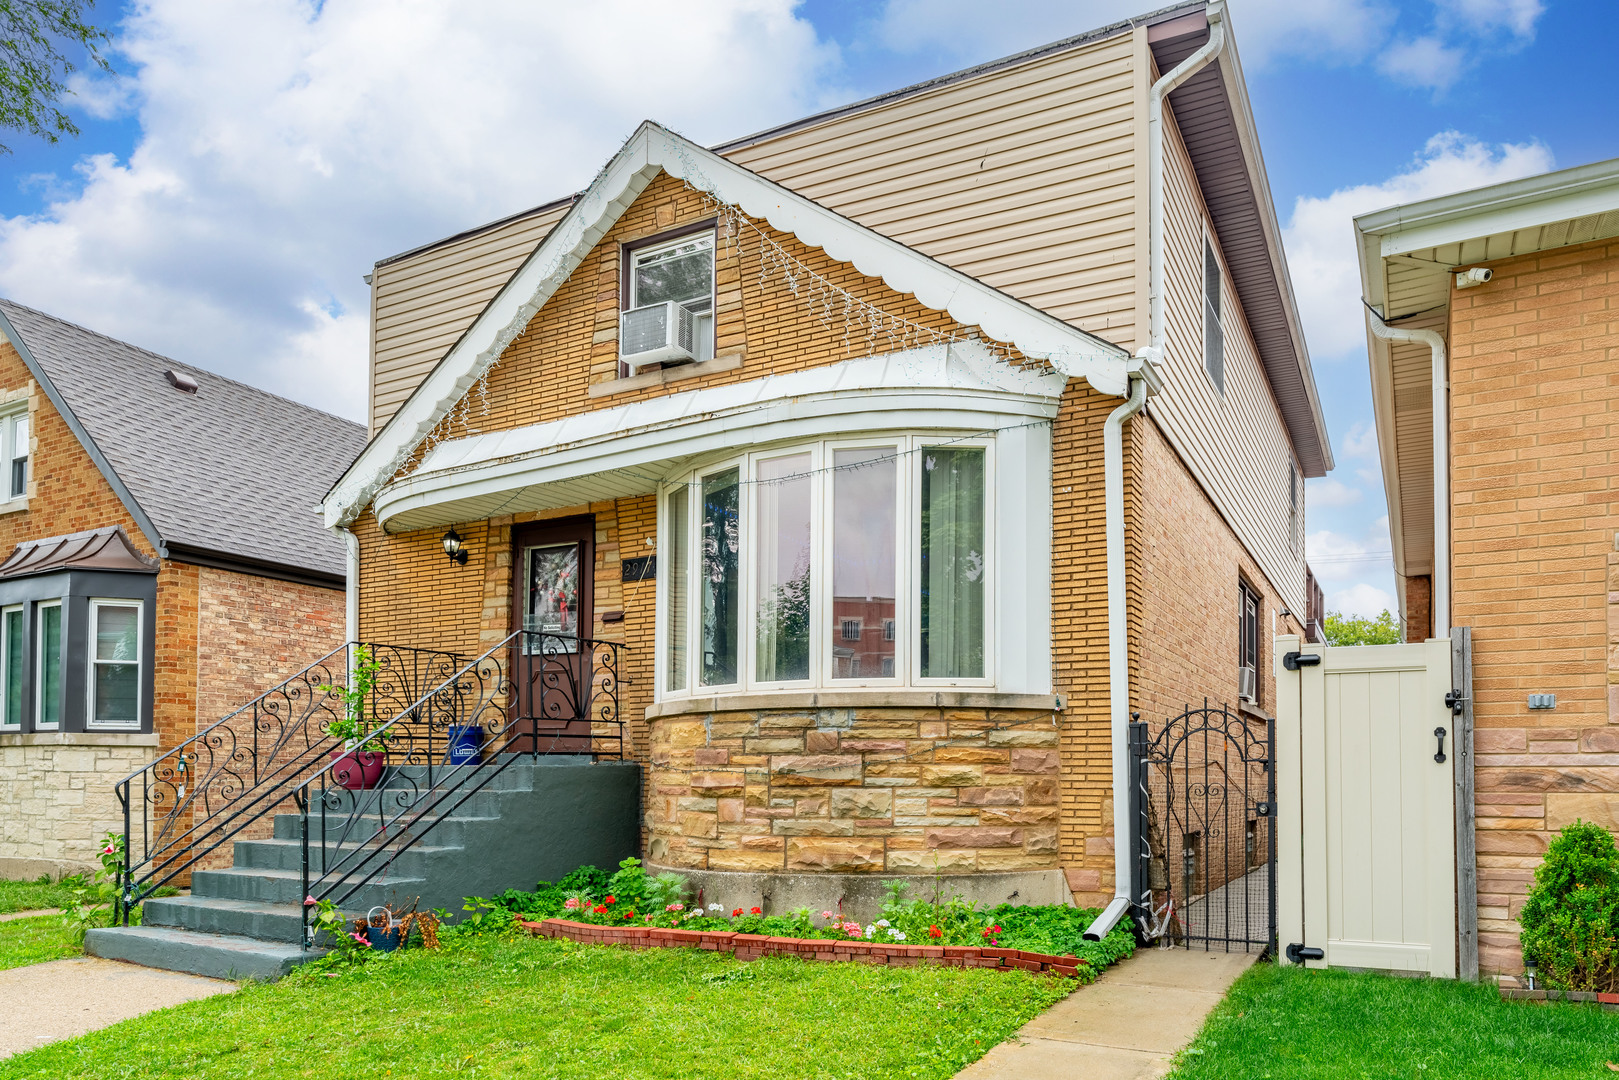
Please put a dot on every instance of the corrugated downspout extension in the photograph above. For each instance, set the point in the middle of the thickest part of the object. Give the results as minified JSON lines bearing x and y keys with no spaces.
{"x":1441,"y":461}
{"x":1118,"y":661}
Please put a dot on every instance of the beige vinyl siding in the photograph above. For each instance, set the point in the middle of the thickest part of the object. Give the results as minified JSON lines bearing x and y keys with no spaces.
{"x":1022,"y":178}
{"x":424,"y":302}
{"x":1236,"y":444}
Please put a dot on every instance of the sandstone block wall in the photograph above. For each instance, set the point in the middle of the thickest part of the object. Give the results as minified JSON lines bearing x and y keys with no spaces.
{"x":896,"y":791}
{"x":57,"y":802}
{"x":1534,"y":409}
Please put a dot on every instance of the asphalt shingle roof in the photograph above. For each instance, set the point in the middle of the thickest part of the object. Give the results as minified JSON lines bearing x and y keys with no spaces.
{"x":231,"y":470}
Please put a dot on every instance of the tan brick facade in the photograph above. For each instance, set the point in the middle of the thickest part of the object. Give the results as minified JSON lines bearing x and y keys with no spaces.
{"x":869,"y":790}
{"x":1534,"y":397}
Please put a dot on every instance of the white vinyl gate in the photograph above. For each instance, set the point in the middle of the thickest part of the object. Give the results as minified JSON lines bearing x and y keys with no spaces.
{"x":1366,"y":782}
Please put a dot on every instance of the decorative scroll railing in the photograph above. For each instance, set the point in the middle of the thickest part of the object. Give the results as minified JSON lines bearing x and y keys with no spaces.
{"x":533,"y":693}
{"x":198,"y":796}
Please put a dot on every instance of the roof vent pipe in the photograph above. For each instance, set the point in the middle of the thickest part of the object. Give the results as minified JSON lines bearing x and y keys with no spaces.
{"x":1118,"y":651}
{"x":1441,"y":459}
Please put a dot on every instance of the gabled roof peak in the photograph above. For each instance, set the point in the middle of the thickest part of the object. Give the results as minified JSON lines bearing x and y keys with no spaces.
{"x":654,"y":149}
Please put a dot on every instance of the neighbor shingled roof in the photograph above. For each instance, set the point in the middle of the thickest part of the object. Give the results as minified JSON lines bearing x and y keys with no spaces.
{"x":230,"y":472}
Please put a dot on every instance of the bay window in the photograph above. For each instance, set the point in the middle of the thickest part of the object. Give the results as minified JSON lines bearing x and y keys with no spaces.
{"x":13,"y":665}
{"x":115,"y":664}
{"x":48,"y":676}
{"x":839,"y":563}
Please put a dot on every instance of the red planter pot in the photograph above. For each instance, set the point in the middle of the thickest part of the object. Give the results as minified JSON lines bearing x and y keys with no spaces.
{"x":357,"y":770}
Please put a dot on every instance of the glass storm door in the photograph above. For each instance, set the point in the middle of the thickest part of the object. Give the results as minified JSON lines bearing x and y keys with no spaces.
{"x":551,"y":664}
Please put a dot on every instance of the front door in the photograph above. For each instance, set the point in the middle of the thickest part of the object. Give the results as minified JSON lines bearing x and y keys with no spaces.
{"x":552,"y":659}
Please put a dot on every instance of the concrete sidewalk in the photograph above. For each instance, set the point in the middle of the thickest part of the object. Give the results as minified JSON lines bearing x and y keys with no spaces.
{"x":1127,"y":1026}
{"x":64,"y":998}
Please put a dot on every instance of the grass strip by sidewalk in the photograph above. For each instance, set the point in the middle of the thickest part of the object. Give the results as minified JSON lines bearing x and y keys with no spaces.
{"x":34,"y":941}
{"x":1290,"y":1024}
{"x":556,"y":1009}
{"x":32,"y":895}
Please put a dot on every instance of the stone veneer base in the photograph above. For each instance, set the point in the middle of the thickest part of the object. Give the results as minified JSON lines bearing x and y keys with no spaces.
{"x":755,"y":946}
{"x":862,"y":895}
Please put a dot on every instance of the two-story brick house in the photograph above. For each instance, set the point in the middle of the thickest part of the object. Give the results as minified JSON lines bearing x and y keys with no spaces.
{"x":820,"y":424}
{"x":162,"y":567}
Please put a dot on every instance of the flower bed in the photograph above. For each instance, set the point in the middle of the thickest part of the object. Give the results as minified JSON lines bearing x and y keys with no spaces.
{"x":754,"y":946}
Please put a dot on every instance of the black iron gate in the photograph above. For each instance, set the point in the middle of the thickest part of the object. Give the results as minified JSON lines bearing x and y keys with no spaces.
{"x":1203,"y":800}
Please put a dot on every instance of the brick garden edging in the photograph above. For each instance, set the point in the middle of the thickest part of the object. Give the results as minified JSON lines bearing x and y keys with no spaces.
{"x":1609,"y":1002}
{"x":753,"y":946}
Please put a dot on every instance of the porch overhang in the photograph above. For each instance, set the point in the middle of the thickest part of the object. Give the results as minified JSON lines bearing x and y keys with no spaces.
{"x":629,"y":450}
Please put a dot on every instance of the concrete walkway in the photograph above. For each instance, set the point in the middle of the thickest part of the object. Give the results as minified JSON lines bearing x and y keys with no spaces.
{"x":35,"y":913}
{"x":1126,"y":1026}
{"x":64,"y":998}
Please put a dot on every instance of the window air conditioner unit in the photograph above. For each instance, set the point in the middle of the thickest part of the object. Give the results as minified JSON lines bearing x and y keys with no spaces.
{"x":657,"y":333}
{"x":1247,"y":684}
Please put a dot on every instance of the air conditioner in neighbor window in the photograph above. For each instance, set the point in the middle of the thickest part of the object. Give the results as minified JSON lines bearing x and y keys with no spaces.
{"x":1247,"y":684}
{"x":657,"y":333}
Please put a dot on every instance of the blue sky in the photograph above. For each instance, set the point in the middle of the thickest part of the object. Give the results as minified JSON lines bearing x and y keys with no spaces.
{"x":251,"y":160}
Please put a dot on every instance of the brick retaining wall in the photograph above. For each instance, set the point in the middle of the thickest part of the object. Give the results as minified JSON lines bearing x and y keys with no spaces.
{"x":754,"y":946}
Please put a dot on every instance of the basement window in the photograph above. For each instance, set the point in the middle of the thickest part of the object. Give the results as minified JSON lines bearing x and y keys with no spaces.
{"x":1213,"y":335}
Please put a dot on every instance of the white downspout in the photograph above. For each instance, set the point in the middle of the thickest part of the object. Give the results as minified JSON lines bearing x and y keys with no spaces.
{"x":1441,"y":462}
{"x":1118,"y":642}
{"x":351,"y":586}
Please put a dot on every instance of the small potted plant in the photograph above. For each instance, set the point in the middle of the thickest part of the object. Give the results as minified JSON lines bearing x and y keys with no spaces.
{"x":358,"y":765}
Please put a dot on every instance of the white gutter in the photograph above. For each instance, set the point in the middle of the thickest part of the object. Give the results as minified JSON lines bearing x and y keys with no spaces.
{"x":1441,"y":462}
{"x":1118,"y":642}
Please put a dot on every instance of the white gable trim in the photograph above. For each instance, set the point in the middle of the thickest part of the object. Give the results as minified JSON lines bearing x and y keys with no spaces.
{"x":653,"y":149}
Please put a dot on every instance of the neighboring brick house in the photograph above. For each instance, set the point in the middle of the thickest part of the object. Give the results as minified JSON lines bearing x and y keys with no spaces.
{"x":164,"y":567}
{"x":1518,"y":283}
{"x":883,"y":440}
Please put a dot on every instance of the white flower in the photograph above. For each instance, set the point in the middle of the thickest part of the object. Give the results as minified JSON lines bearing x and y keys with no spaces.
{"x":870,"y":931}
{"x":882,"y":922}
{"x":715,"y":907}
{"x":896,"y":935}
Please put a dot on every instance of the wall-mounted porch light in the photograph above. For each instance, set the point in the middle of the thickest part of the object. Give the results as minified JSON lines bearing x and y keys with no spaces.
{"x":455,"y":547}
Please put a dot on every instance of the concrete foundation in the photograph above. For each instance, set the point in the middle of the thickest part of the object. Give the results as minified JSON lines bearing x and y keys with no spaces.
{"x":862,"y":895}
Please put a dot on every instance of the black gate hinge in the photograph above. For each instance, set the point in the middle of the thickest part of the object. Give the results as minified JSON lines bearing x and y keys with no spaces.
{"x":1294,"y":660}
{"x":1299,"y":953}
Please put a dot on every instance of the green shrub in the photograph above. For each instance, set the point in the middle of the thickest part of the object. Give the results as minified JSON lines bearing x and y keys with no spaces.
{"x":1571,"y":919}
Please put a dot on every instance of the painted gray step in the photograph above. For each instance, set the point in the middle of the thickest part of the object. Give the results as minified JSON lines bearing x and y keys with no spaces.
{"x":454,"y":826}
{"x":289,"y":854}
{"x":218,"y":956}
{"x":259,"y":918}
{"x":483,"y":804}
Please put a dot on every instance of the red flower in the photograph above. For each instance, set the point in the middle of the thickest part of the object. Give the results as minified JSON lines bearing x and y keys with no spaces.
{"x":738,"y":911}
{"x":609,"y":900}
{"x":628,"y":915}
{"x":756,"y":911}
{"x":934,"y":931}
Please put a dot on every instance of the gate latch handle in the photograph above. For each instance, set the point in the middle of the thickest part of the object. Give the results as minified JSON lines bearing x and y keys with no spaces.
{"x":1439,"y":733}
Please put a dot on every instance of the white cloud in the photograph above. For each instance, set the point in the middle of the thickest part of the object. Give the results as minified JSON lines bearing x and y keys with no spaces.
{"x":1425,"y":62}
{"x":1328,"y":492}
{"x":1320,"y":235}
{"x":1360,"y":441}
{"x":1516,"y":17}
{"x":286,"y":146}
{"x":1361,"y":599}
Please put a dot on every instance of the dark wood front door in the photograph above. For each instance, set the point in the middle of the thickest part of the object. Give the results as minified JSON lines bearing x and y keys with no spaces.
{"x":554,"y":565}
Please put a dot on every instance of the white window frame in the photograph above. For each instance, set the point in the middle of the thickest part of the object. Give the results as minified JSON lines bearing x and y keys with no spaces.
{"x":8,"y":452}
{"x":11,"y":723}
{"x":907,"y":447}
{"x":91,"y":661}
{"x":39,"y":665}
{"x":706,"y":337}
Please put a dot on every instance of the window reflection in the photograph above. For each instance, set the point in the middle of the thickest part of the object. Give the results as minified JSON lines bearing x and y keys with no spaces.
{"x":782,"y":532}
{"x":720,"y":577}
{"x":864,"y":497}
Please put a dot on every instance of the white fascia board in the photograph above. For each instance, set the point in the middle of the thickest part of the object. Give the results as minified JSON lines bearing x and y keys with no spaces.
{"x":653,"y":149}
{"x":938,"y":387}
{"x":1248,"y":139}
{"x":1500,"y":208}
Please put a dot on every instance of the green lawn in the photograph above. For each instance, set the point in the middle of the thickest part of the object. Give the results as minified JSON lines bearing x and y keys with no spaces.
{"x":30,"y":895}
{"x":541,"y":1008}
{"x":1288,"y":1024}
{"x":35,"y":940}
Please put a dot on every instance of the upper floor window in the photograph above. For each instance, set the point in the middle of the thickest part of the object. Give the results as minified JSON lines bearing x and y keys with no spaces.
{"x":1213,"y":335}
{"x":669,"y":301}
{"x":837,"y":563}
{"x":14,"y":432}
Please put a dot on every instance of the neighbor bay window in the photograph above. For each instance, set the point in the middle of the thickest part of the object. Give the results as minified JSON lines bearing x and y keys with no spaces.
{"x":839,"y":563}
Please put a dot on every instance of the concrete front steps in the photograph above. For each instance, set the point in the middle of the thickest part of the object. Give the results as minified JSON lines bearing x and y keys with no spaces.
{"x":538,"y":820}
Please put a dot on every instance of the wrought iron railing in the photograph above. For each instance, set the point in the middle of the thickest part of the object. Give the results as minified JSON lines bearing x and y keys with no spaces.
{"x":198,"y":796}
{"x":533,"y":693}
